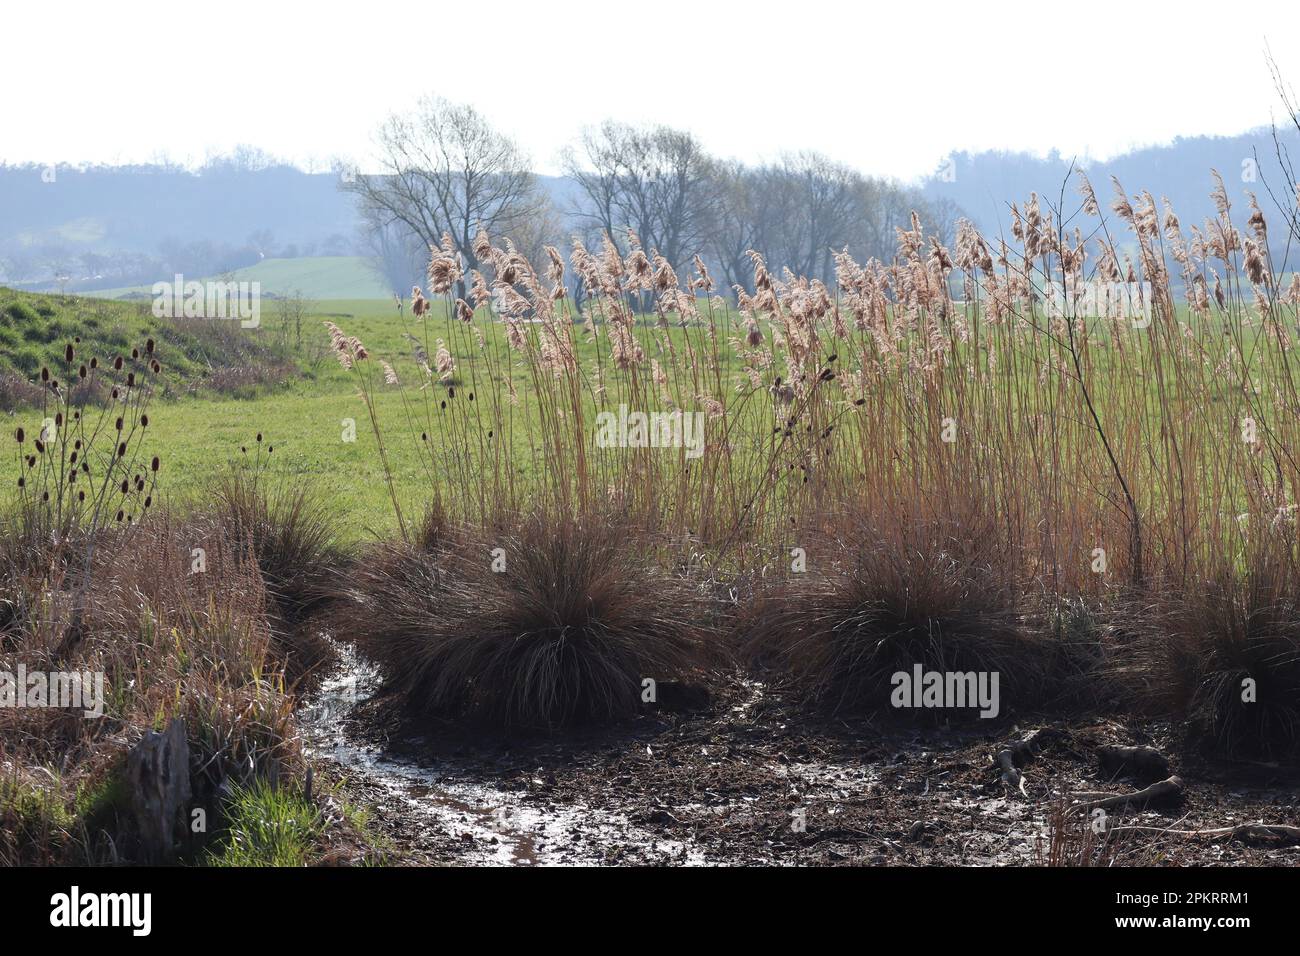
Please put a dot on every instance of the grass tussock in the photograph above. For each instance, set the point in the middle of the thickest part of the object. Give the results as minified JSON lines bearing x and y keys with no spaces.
{"x":290,"y":531}
{"x":882,"y":597}
{"x":1226,"y":657}
{"x":542,"y":621}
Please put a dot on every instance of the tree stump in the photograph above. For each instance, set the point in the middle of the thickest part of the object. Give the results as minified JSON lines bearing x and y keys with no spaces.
{"x":158,"y":781}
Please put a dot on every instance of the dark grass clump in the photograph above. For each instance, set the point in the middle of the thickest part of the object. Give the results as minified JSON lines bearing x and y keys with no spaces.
{"x":289,"y":532}
{"x":1224,"y":655}
{"x":547,"y":621}
{"x":872,"y":605}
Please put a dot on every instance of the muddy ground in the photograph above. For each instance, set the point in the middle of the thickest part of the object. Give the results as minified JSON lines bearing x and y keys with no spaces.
{"x":750,"y":778}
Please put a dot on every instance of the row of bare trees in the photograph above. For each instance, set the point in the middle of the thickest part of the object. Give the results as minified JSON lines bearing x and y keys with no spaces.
{"x":446,"y":171}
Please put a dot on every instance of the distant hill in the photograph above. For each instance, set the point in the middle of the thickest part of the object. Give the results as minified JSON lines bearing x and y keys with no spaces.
{"x":112,"y":228}
{"x":117,"y":228}
{"x":316,"y":277}
{"x":984,"y":184}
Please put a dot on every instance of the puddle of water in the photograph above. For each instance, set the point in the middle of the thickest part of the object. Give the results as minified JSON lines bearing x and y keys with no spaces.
{"x":496,"y":826}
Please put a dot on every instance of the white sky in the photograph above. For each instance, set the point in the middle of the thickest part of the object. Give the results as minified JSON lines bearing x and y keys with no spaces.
{"x":890,"y":90}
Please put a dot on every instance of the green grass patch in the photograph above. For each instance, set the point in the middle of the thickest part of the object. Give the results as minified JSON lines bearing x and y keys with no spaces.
{"x":268,"y":826}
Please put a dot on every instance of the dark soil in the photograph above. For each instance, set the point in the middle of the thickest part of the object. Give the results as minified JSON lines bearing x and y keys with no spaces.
{"x":731,"y":783}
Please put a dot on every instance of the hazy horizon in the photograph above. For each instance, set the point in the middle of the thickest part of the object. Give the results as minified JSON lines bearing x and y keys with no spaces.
{"x":749,"y":87}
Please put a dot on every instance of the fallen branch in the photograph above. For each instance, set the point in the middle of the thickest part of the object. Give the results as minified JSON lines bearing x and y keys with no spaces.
{"x":1165,"y":793}
{"x":1280,"y":833}
{"x":1011,"y":757}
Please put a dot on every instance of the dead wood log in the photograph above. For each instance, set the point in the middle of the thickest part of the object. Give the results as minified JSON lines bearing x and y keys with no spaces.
{"x":158,"y":782}
{"x":1279,"y":834}
{"x":1166,"y":793}
{"x":1018,"y":753}
{"x":1143,"y":764}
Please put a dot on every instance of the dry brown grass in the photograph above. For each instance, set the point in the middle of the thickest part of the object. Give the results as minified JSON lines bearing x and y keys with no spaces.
{"x":1080,"y":464}
{"x":536,"y":621}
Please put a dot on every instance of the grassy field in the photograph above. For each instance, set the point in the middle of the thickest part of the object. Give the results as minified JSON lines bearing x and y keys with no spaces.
{"x":304,"y":415}
{"x":200,"y":431}
{"x":316,"y":277}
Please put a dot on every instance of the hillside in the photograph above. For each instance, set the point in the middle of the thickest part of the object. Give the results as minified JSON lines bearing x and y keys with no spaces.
{"x":197,"y":355}
{"x":316,"y":277}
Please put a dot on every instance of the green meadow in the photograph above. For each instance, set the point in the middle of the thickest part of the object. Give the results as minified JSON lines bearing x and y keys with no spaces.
{"x":310,"y":410}
{"x":312,"y":416}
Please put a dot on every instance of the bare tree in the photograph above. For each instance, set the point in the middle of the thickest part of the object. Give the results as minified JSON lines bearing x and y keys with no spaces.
{"x":797,"y":213}
{"x":659,"y":182}
{"x":447,"y":171}
{"x":397,"y":256}
{"x":802,"y":210}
